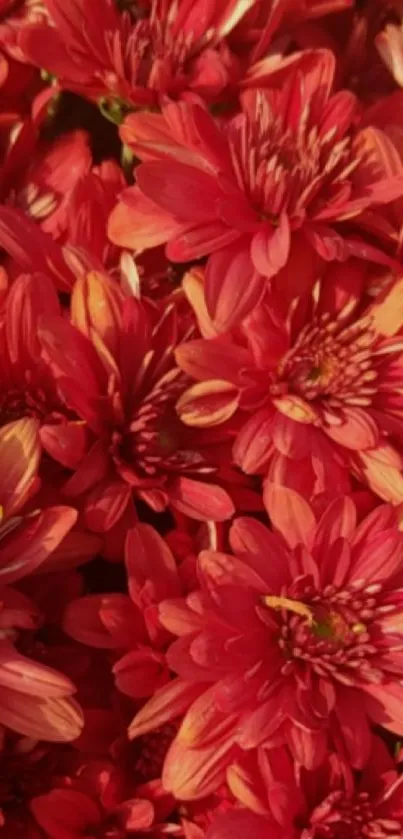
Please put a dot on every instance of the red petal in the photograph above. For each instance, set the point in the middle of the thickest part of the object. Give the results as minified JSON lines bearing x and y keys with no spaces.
{"x":207,"y":404}
{"x":290,"y":514}
{"x":174,"y":188}
{"x":232,"y":287}
{"x":137,"y":223}
{"x":213,"y":359}
{"x":167,"y":704}
{"x":195,"y":773}
{"x":25,"y":550}
{"x":56,"y":720}
{"x":254,"y":444}
{"x":271,"y":248}
{"x":19,"y":460}
{"x":65,"y":812}
{"x":201,"y":501}
{"x":151,"y":568}
{"x":357,"y":431}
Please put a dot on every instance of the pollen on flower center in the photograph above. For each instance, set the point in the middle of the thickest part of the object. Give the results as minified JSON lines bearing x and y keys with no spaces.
{"x":330,"y":632}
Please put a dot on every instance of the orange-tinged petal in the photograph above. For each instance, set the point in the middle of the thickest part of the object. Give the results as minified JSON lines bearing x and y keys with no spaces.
{"x":137,"y":223}
{"x":167,"y":704}
{"x":204,"y":723}
{"x":55,"y":720}
{"x":27,"y":548}
{"x":96,"y":304}
{"x":290,"y":514}
{"x":208,"y":403}
{"x":387,"y":311}
{"x":193,"y":286}
{"x":19,"y":673}
{"x":195,"y":773}
{"x":384,"y":480}
{"x":295,"y":408}
{"x":357,"y":431}
{"x":201,"y":501}
{"x":254,"y":444}
{"x":389,"y":43}
{"x":19,"y":460}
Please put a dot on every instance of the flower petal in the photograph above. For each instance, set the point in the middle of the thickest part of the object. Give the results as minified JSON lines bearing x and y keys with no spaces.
{"x":201,"y":501}
{"x":290,"y":514}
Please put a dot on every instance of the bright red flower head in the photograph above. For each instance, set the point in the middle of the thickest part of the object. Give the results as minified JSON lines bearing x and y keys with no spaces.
{"x":286,"y":179}
{"x":332,"y":802}
{"x":293,"y":640}
{"x":320,"y":380}
{"x":153,"y":49}
{"x":115,"y":368}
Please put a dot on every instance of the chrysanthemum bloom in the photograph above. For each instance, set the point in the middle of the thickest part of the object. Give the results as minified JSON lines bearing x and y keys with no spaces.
{"x":115,"y":368}
{"x":283,"y":184}
{"x":295,"y":637}
{"x":321,"y":384}
{"x":156,"y":48}
{"x":287,"y":803}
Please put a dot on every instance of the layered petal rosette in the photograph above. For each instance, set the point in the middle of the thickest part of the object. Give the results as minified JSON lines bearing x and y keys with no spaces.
{"x":294,"y":637}
{"x":283,"y":183}
{"x":318,"y":382}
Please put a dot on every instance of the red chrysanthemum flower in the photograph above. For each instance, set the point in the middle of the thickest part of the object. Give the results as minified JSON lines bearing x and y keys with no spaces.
{"x":154,"y":48}
{"x":296,"y":640}
{"x":320,"y":381}
{"x":283,"y":183}
{"x":329,"y":803}
{"x":115,"y":367}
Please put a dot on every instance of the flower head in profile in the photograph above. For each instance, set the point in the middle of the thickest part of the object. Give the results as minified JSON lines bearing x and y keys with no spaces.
{"x":284,"y":182}
{"x":137,"y":56}
{"x":332,"y":802}
{"x":115,"y":368}
{"x":320,"y":380}
{"x":35,"y":700}
{"x":27,"y":385}
{"x":295,"y":637}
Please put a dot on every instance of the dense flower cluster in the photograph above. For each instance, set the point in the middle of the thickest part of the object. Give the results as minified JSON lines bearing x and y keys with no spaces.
{"x":201,"y":419}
